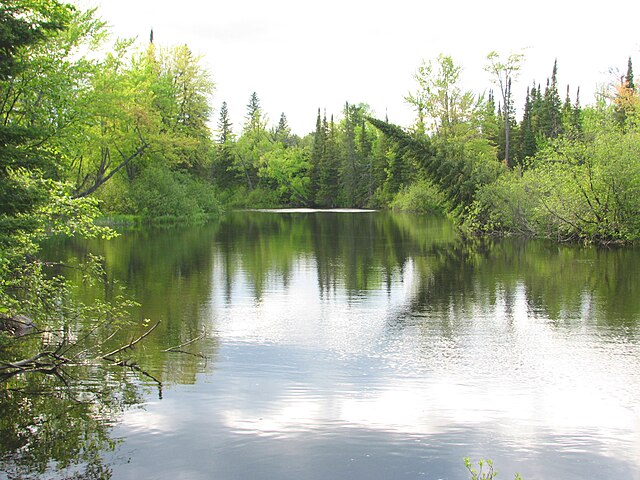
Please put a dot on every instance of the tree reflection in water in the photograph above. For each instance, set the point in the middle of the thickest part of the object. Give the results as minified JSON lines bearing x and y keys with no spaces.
{"x":59,"y":426}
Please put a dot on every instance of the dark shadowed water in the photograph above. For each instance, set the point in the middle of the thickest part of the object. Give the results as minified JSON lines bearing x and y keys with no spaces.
{"x":375,"y":346}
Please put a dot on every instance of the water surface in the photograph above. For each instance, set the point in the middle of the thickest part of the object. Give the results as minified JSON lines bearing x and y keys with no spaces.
{"x":375,"y":346}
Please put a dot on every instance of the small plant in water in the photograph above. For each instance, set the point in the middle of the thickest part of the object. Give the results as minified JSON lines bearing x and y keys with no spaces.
{"x":481,"y":474}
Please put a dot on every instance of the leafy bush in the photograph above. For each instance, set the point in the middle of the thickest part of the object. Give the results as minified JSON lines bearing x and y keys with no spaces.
{"x":585,"y":188}
{"x":242,"y":197}
{"x":160,"y":192}
{"x":420,"y":197}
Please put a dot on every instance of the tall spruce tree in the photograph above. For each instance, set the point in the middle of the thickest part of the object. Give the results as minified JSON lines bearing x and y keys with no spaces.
{"x":527,"y":135}
{"x":629,"y":76}
{"x":349,"y":171}
{"x":552,"y":105}
{"x":329,"y":182}
{"x":282,"y":132}
{"x":365,"y":160}
{"x":317,"y":153}
{"x":254,"y":118}
{"x":223,"y":169}
{"x":225,"y":132}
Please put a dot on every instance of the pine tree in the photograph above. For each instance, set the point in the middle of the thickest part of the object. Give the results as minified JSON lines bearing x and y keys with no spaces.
{"x":527,"y":138}
{"x":329,"y":183}
{"x":577,"y":114}
{"x":629,"y":77}
{"x":551,"y":114}
{"x":317,"y":154}
{"x":225,"y":133}
{"x":254,"y":121}
{"x":365,"y":161}
{"x":349,"y":172}
{"x":282,"y":132}
{"x":490,"y":124}
{"x":568,"y":116}
{"x":223,"y":167}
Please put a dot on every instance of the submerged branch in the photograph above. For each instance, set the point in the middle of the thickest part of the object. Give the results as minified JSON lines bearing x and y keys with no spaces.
{"x":130,"y":344}
{"x":193,"y":340}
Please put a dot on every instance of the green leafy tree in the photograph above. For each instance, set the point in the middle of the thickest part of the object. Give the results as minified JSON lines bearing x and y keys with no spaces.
{"x":182,"y":91}
{"x":440,"y":99}
{"x":117,"y":125}
{"x":287,"y":169}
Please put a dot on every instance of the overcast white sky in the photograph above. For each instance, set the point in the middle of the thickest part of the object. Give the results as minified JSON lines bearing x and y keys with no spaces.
{"x":300,"y":56}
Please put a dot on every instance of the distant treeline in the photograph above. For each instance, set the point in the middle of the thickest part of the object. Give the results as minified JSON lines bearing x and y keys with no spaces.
{"x":130,"y":127}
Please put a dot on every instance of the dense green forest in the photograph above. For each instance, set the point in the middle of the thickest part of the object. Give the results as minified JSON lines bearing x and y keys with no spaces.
{"x":130,"y":129}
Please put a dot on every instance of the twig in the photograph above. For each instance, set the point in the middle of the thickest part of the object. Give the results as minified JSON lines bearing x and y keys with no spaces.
{"x":131,"y":344}
{"x":200,"y":355}
{"x":193,"y":340}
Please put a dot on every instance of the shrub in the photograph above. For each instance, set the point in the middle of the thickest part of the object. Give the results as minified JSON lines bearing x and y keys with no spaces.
{"x":420,"y":197}
{"x":160,"y":192}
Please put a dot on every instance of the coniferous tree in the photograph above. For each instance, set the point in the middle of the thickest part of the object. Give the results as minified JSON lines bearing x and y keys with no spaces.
{"x":225,"y":133}
{"x":317,"y":153}
{"x":629,"y":76}
{"x":527,"y":137}
{"x":365,"y":161}
{"x":577,"y":114}
{"x":254,"y":121}
{"x":254,"y":142}
{"x":626,"y":99}
{"x":282,"y":132}
{"x":551,"y":114}
{"x":224,"y":172}
{"x":569,"y":117}
{"x":349,"y":171}
{"x":491,"y":122}
{"x":382,"y":153}
{"x":567,"y":107}
{"x":329,"y":182}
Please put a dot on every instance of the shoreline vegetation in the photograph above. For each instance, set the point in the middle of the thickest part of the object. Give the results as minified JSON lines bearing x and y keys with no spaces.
{"x":132,"y":133}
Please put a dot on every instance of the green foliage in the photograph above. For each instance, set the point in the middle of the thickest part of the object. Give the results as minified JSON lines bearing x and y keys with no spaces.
{"x":484,"y":471}
{"x":442,"y":104}
{"x":419,"y":197}
{"x":503,"y":72}
{"x":577,"y":188}
{"x":161,"y":192}
{"x":458,"y":168}
{"x":286,"y":169}
{"x":242,"y":197}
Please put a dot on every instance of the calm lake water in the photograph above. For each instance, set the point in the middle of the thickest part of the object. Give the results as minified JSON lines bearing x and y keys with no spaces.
{"x":374,"y":346}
